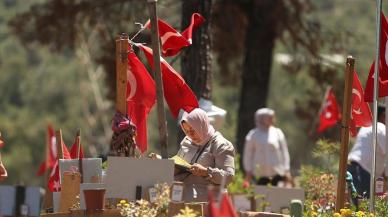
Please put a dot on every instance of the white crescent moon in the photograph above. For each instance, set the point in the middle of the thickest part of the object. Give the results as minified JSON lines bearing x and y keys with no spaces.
{"x":357,"y":93}
{"x":386,"y":52}
{"x":132,"y":83}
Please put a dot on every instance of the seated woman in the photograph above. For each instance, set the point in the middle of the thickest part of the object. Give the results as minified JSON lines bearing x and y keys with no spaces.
{"x":3,"y":171}
{"x":209,"y":153}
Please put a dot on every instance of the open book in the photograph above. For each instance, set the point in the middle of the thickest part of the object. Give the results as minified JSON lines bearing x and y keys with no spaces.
{"x":180,"y":163}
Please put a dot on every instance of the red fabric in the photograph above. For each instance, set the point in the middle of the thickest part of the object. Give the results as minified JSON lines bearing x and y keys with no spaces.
{"x":141,"y":97}
{"x":1,"y":143}
{"x":51,"y":155}
{"x":361,"y":115}
{"x":74,"y":149}
{"x":54,"y":182}
{"x":213,"y":209}
{"x":226,"y":207}
{"x":330,"y":113}
{"x":173,"y":41}
{"x":177,"y":93}
{"x":383,"y":66}
{"x":196,"y":21}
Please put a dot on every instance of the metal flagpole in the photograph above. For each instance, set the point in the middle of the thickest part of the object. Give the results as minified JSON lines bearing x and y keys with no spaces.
{"x":375,"y":97}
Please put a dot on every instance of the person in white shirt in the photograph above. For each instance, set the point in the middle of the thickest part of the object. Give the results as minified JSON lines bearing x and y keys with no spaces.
{"x":360,"y":156}
{"x":266,"y":156}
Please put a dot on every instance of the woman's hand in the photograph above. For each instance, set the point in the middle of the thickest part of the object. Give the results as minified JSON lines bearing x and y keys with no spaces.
{"x":198,"y":170}
{"x":154,"y":156}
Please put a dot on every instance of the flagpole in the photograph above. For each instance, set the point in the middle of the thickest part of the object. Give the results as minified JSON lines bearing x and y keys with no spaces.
{"x":375,"y":97}
{"x":158,"y":77}
{"x":349,"y":74}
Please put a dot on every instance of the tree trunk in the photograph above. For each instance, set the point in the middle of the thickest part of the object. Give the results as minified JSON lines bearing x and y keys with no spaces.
{"x":196,"y":59}
{"x":259,"y":45}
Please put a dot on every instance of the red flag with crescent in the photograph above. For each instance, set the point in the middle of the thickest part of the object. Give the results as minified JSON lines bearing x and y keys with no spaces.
{"x":361,"y":115}
{"x":74,"y":149}
{"x":51,"y":154}
{"x":54,"y":180}
{"x":172,"y":41}
{"x":383,"y":66}
{"x":141,"y":97}
{"x":330,"y":112}
{"x":177,"y":93}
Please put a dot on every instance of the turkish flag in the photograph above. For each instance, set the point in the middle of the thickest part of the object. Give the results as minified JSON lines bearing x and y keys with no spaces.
{"x":177,"y":93}
{"x":196,"y":21}
{"x":330,"y":112}
{"x":383,"y":66}
{"x":141,"y":97}
{"x":213,"y":208}
{"x":361,"y":115}
{"x":74,"y":149}
{"x":54,"y":181}
{"x":173,"y":41}
{"x":226,"y":207}
{"x":51,"y":154}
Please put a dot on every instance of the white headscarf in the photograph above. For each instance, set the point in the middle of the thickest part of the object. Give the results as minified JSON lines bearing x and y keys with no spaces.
{"x":260,"y":114}
{"x":199,"y":121}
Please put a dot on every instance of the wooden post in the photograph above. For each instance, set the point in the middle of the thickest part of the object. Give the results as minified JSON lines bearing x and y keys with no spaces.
{"x":345,"y":133}
{"x":59,"y":143}
{"x":78,"y":142}
{"x":158,"y":77}
{"x":122,"y":44}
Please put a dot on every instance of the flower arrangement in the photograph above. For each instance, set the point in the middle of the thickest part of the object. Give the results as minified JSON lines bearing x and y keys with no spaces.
{"x":143,"y":208}
{"x":320,"y":197}
{"x":187,"y":212}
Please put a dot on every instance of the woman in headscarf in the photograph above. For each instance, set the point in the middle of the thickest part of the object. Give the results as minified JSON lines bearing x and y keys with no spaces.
{"x":209,"y":153}
{"x":266,"y":154}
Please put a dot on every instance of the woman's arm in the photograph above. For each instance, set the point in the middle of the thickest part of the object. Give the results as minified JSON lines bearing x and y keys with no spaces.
{"x":224,"y":164}
{"x":284,"y":150}
{"x":249,"y":151}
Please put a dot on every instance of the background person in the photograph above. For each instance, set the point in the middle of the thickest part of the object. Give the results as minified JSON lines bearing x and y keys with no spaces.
{"x":209,"y":153}
{"x":360,"y":156}
{"x":265,"y":151}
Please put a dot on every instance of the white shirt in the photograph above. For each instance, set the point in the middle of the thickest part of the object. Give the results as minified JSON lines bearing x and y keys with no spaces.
{"x":266,"y":152}
{"x":363,"y":149}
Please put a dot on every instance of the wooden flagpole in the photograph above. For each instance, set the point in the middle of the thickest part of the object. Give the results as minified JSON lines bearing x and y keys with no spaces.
{"x":345,"y":133}
{"x":78,"y":142}
{"x":158,"y":77}
{"x":78,"y":138}
{"x":122,"y":44}
{"x":59,"y":143}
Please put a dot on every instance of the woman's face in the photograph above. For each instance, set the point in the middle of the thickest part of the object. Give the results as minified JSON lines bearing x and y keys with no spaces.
{"x":190,"y":132}
{"x":268,"y":120}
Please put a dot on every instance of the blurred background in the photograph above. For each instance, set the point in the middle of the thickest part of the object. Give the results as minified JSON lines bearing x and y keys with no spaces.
{"x":57,"y":66}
